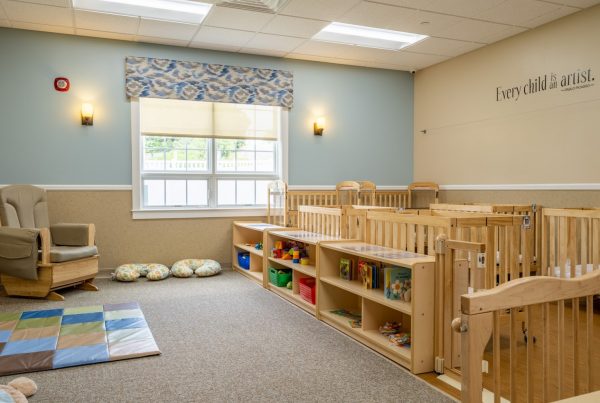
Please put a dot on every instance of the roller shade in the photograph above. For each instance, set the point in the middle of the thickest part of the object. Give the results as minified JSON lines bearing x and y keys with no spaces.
{"x":169,"y":117}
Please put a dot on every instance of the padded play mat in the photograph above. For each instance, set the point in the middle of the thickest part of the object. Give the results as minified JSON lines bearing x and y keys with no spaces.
{"x":56,"y":338}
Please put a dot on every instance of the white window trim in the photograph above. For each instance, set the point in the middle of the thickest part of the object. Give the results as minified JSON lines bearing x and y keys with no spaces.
{"x":139,"y":213}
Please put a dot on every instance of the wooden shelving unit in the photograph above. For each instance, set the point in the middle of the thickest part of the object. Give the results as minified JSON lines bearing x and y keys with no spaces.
{"x":416,"y":316}
{"x":245,"y":236}
{"x":310,"y":240}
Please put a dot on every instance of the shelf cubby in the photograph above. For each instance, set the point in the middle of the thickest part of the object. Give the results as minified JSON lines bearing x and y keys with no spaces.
{"x":246,"y":234}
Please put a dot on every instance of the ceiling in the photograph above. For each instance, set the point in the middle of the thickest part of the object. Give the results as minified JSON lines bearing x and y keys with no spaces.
{"x":454,"y":26}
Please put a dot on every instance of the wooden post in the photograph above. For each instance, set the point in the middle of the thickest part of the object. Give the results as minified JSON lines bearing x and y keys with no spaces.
{"x":476,"y":331}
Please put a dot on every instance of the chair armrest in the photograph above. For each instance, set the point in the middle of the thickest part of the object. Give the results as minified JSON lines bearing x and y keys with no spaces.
{"x":73,"y":234}
{"x":19,"y":252}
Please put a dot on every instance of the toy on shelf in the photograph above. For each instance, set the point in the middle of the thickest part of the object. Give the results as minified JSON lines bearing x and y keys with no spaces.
{"x":354,"y":319}
{"x":393,"y":331}
{"x":258,"y":246}
{"x":397,"y":283}
{"x":346,"y":269}
{"x":370,"y":274}
{"x":288,"y":250}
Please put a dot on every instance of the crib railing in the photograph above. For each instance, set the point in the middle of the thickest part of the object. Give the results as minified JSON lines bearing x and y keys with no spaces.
{"x":538,"y":333}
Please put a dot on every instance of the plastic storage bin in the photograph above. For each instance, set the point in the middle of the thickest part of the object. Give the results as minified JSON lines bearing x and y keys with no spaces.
{"x":279,"y":279}
{"x":307,"y":289}
{"x":244,"y":260}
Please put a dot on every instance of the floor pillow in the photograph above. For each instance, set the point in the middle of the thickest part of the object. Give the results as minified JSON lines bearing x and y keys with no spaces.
{"x":207,"y":267}
{"x":157,"y":272}
{"x":126,"y":273}
{"x":182,"y":269}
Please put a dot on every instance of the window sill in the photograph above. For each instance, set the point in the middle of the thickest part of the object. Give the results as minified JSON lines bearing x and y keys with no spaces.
{"x":157,"y":214}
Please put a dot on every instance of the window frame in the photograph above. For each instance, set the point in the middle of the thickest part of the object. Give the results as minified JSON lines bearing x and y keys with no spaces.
{"x":139,"y":211}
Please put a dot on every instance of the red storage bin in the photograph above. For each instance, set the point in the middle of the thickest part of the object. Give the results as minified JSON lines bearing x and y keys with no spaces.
{"x":308,"y":289}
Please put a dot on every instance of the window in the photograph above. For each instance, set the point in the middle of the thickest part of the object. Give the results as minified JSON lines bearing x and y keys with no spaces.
{"x":203,"y":156}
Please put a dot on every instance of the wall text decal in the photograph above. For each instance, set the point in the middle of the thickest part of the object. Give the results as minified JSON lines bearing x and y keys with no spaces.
{"x":551,"y":81}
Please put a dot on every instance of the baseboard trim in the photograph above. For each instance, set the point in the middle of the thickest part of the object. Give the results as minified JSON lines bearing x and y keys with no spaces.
{"x":526,"y":186}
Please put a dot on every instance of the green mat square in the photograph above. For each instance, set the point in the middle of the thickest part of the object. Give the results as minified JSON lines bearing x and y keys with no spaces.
{"x":83,"y":309}
{"x":9,"y":316}
{"x":39,"y":322}
{"x":79,"y":328}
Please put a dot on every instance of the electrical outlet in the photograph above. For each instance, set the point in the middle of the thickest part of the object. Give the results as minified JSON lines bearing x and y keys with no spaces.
{"x":485,"y":367}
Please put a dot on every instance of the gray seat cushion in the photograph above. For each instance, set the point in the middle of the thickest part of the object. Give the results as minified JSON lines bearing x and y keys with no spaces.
{"x":60,"y":254}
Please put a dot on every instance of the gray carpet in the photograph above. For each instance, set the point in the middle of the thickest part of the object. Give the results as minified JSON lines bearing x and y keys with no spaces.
{"x":225,"y":339}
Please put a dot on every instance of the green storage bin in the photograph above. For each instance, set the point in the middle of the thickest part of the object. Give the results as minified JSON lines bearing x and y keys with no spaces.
{"x":279,"y":279}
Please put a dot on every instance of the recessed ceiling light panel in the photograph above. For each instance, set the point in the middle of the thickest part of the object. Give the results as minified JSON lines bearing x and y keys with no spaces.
{"x":170,"y":10}
{"x":359,"y":35}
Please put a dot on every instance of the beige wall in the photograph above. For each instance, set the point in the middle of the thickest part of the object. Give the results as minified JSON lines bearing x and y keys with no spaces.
{"x":551,"y":136}
{"x":545,"y":198}
{"x":123,"y":240}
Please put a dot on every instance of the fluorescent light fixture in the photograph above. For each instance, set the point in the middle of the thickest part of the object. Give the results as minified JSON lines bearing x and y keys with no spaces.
{"x":368,"y":37}
{"x":170,"y":10}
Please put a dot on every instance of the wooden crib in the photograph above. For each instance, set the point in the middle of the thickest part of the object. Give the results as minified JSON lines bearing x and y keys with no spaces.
{"x":558,"y":355}
{"x":456,"y":274}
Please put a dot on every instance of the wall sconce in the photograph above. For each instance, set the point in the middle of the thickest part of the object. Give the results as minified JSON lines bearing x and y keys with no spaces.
{"x":319,"y":126}
{"x":87,"y":114}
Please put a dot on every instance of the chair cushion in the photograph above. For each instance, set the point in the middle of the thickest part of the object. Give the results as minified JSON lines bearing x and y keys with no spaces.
{"x":60,"y":254}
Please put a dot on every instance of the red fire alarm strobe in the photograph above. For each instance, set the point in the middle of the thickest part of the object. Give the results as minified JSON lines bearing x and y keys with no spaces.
{"x":62,"y":84}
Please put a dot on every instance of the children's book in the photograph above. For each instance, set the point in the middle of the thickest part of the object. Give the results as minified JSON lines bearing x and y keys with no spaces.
{"x":346,"y":269}
{"x":396,"y":282}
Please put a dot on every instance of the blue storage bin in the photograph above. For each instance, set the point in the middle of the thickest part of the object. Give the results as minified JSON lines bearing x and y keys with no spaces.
{"x":244,"y":260}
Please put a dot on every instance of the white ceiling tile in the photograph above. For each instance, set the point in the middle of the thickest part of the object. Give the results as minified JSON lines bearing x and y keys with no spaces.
{"x":274,"y":42}
{"x":551,"y":16}
{"x":263,"y":52}
{"x":517,"y":12}
{"x":294,"y":26}
{"x":473,"y":30}
{"x":222,"y":36}
{"x":213,"y":46}
{"x":326,"y":10}
{"x":57,"y":3}
{"x":416,"y":60}
{"x":381,"y":16}
{"x":428,"y":23}
{"x":444,"y":47}
{"x":167,"y":29}
{"x":106,"y":22}
{"x":326,"y":49}
{"x":39,"y":14}
{"x":42,"y":27}
{"x":104,"y":34}
{"x":496,"y":36}
{"x":579,"y":3}
{"x":161,"y":41}
{"x":350,"y":62}
{"x":225,"y":17}
{"x":461,"y":8}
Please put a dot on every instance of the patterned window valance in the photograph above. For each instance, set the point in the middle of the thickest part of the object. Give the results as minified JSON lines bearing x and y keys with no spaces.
{"x":163,"y":78}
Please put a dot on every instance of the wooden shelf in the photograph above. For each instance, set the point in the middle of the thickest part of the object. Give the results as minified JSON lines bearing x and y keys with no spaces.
{"x":379,"y":253}
{"x":375,"y":295}
{"x":310,"y":238}
{"x":249,"y":248}
{"x":307,"y":269}
{"x":294,"y":298}
{"x":253,"y":275}
{"x":372,"y":338}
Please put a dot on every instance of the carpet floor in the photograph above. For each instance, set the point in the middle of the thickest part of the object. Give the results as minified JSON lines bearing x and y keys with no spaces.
{"x":225,"y":339}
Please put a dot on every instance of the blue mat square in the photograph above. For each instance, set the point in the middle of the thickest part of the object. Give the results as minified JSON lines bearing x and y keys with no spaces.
{"x":129,"y":323}
{"x":83,"y":318}
{"x":29,"y":346}
{"x":70,"y":357}
{"x":41,"y":314}
{"x":5,"y":335}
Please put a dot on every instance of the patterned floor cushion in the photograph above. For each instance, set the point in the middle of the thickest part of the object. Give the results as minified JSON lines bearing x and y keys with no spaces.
{"x":207,"y":267}
{"x":157,"y":272}
{"x":126,"y":273}
{"x":202,"y":268}
{"x":182,"y":269}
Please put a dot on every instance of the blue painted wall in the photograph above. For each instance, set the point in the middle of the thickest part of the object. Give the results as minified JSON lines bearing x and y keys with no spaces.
{"x":369,"y":113}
